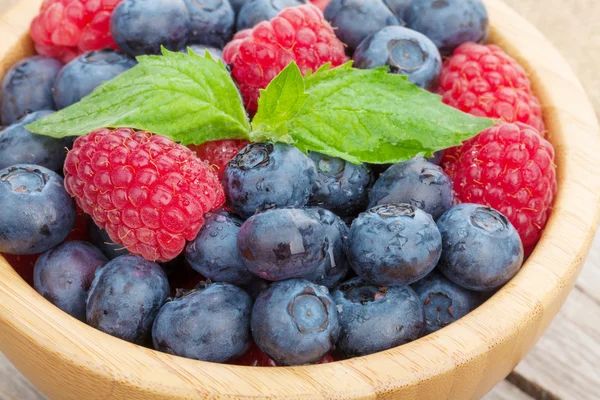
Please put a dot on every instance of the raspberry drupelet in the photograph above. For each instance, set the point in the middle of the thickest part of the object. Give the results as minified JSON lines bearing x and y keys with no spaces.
{"x":298,"y":34}
{"x":510,"y":168}
{"x":485,"y":81}
{"x":65,"y":29}
{"x":218,"y":153}
{"x":149,"y":193}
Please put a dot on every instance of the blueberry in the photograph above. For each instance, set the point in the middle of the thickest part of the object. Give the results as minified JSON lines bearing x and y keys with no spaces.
{"x":264,"y":176}
{"x":398,"y":7}
{"x":255,"y":11}
{"x":481,"y":249}
{"x":211,"y":324}
{"x":36,"y":213}
{"x":282,"y":244}
{"x":437,"y":157}
{"x":341,"y":186}
{"x":295,"y":322}
{"x":237,"y":4}
{"x":27,"y":87}
{"x":444,"y":301}
{"x":335,"y":266}
{"x":99,"y":237}
{"x":393,"y":244}
{"x":376,"y":318}
{"x":212,"y":22}
{"x":449,"y":23}
{"x":142,"y":26}
{"x":18,"y":145}
{"x":354,"y":20}
{"x":64,"y":274}
{"x":214,"y":252}
{"x":417,"y":182}
{"x":78,"y":78}
{"x":407,"y":52}
{"x":125,"y":297}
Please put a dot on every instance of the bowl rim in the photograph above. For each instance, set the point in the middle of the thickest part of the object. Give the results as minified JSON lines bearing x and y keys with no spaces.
{"x":509,"y":323}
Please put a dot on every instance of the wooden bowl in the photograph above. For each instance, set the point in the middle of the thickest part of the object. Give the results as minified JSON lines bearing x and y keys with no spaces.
{"x":66,"y":359}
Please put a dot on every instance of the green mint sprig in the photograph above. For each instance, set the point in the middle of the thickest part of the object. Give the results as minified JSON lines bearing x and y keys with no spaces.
{"x":358,"y":115}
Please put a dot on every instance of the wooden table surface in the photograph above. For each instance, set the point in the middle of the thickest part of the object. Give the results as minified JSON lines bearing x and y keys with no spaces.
{"x":565,"y":364}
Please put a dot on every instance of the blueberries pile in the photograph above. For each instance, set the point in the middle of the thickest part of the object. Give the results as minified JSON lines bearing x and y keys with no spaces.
{"x":285,"y":265}
{"x":311,"y":256}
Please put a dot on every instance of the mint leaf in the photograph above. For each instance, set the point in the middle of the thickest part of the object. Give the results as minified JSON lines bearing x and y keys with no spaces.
{"x":362,"y":116}
{"x":189,"y":98}
{"x":280,"y":102}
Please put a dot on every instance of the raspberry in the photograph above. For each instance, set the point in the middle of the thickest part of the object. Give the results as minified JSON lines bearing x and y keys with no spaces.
{"x":508,"y":167}
{"x":218,"y":153}
{"x":66,"y":28}
{"x":149,"y":193}
{"x":485,"y":81}
{"x":321,"y":4}
{"x":298,"y":34}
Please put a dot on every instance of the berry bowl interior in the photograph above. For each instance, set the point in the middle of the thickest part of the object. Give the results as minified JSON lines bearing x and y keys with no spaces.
{"x":66,"y":359}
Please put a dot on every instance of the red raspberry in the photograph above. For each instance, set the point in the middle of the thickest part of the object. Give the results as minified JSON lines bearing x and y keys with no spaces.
{"x":256,"y":358}
{"x":218,"y":153}
{"x":298,"y":34}
{"x":322,"y":4}
{"x":509,"y":167}
{"x":66,"y":28}
{"x":485,"y":81}
{"x":148,"y":192}
{"x":23,"y":265}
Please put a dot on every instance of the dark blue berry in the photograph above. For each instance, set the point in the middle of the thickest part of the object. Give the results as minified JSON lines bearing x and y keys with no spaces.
{"x":18,"y":145}
{"x":125,"y":297}
{"x":27,"y":87}
{"x":36,"y":212}
{"x":354,"y":20}
{"x":437,"y":157}
{"x":444,"y":301}
{"x":335,"y":266}
{"x":214,"y":252}
{"x":393,"y":244}
{"x":376,"y":318}
{"x":99,"y":237}
{"x":265,"y":176}
{"x":295,"y":322}
{"x":405,"y":51}
{"x":64,"y":274}
{"x":398,"y":7}
{"x":211,"y":324}
{"x":481,"y":249}
{"x":255,"y":11}
{"x":448,"y":23}
{"x":143,"y":26}
{"x":417,"y":182}
{"x":212,"y":23}
{"x":341,"y":186}
{"x":78,"y":78}
{"x":237,"y":4}
{"x":282,"y":244}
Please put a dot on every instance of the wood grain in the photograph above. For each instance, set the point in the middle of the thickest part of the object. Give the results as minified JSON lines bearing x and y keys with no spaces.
{"x":67,"y":359}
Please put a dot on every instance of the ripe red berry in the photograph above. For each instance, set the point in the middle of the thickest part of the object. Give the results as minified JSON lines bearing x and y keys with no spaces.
{"x":509,"y":167}
{"x":218,"y":153}
{"x":485,"y":81}
{"x":322,"y":4}
{"x":256,"y":358}
{"x":66,"y":28}
{"x":298,"y":34}
{"x":80,"y":228}
{"x":148,"y":192}
{"x":23,"y":265}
